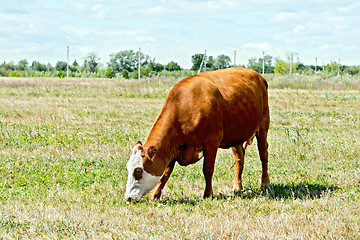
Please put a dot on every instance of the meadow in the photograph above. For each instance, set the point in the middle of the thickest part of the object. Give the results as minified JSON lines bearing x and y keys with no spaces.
{"x":64,"y":145}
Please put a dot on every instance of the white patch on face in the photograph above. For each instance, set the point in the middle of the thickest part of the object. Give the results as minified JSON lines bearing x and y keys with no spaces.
{"x":135,"y":189}
{"x":201,"y":154}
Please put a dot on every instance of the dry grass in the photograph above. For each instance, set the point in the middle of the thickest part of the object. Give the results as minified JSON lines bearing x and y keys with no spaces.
{"x":64,"y":145}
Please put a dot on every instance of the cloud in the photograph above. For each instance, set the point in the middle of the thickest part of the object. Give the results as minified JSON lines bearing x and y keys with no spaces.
{"x":257,"y":46}
{"x":299,"y":29}
{"x":185,"y":7}
{"x":31,"y":29}
{"x":349,"y":8}
{"x":285,"y":17}
{"x":146,"y":39}
{"x":98,"y":11}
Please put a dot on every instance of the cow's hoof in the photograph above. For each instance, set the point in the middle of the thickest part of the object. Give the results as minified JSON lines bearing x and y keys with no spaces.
{"x":265,"y":185}
{"x":155,"y":196}
{"x":208,"y":195}
{"x":237,"y":188}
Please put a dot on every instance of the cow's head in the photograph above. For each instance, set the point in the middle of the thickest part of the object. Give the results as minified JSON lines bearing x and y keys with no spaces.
{"x":139,"y":181}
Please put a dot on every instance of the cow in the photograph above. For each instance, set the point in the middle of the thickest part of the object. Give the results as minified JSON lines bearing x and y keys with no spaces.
{"x":201,"y":113}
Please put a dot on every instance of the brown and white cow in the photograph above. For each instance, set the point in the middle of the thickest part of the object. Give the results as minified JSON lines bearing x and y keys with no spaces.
{"x":204,"y":112}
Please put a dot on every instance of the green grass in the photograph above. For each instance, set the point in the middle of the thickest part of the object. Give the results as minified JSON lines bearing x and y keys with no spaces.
{"x":64,"y":145}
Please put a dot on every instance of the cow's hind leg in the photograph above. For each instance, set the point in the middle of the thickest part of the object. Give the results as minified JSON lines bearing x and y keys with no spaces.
{"x":261,"y":136}
{"x":157,"y":192}
{"x":239,"y":153}
{"x":208,"y":169}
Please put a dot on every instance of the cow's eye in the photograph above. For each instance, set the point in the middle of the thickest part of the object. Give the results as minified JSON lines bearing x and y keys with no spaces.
{"x":138,"y":173}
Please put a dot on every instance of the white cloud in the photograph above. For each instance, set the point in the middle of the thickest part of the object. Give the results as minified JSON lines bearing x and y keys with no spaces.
{"x":145,"y":39}
{"x":257,"y":46}
{"x":351,"y":7}
{"x":98,"y":11}
{"x":286,"y":17}
{"x":299,"y":29}
{"x":31,"y":29}
{"x":187,"y":6}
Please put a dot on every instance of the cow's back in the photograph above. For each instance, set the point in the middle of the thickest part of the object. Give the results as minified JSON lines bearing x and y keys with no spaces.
{"x":225,"y":105}
{"x":246,"y":103}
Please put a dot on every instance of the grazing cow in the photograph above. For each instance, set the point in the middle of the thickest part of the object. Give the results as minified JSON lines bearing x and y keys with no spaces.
{"x":216,"y":109}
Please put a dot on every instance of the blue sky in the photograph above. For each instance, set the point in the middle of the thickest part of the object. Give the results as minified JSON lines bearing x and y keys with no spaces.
{"x":175,"y":30}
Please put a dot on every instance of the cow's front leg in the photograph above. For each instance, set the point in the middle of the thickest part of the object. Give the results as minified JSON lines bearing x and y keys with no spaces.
{"x":208,"y":169}
{"x":157,"y":192}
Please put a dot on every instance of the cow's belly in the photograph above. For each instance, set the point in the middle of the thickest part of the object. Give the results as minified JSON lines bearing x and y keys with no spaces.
{"x":239,"y":126}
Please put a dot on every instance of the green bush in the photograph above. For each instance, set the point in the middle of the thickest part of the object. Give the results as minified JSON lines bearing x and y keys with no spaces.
{"x":125,"y":74}
{"x":109,"y":73}
{"x":14,"y":74}
{"x":61,"y":74}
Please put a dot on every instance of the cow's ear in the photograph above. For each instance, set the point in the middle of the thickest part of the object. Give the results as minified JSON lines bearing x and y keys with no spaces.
{"x":152,"y":152}
{"x":138,"y":142}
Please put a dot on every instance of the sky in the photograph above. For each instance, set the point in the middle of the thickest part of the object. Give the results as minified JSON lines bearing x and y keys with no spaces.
{"x":172,"y":30}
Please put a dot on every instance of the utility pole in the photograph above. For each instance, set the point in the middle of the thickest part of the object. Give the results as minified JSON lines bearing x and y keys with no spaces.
{"x":263,"y":63}
{"x":291,"y":56}
{"x":205,"y":62}
{"x":139,"y":64}
{"x":315,"y":64}
{"x":67,"y":65}
{"x":235,"y":58}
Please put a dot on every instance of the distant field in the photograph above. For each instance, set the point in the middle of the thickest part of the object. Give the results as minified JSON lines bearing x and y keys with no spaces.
{"x":64,"y":145}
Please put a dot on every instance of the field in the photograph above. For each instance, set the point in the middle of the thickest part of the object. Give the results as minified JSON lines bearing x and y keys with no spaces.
{"x":64,"y":145}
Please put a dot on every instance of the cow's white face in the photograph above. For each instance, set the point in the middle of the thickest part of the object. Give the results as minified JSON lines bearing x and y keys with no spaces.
{"x":139,"y":181}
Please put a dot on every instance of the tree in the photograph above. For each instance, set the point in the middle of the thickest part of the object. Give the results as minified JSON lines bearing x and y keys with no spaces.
{"x":125,"y":74}
{"x":211,"y":63}
{"x":196,"y":59}
{"x":154,"y":66}
{"x":333,"y":67}
{"x":123,"y":60}
{"x":283,"y":67}
{"x":251,"y":61}
{"x":257,"y":64}
{"x":109,"y":73}
{"x":37,"y":66}
{"x":144,"y":59}
{"x":91,"y":61}
{"x":60,"y":66}
{"x":8,"y":66}
{"x":145,"y":71}
{"x":223,"y":61}
{"x":172,"y":66}
{"x":23,"y":64}
{"x":75,"y":63}
{"x":352,"y":70}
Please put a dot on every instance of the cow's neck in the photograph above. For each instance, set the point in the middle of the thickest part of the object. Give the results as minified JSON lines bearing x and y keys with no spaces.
{"x":164,"y":137}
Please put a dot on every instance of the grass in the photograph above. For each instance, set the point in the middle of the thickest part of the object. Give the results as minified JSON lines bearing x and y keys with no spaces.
{"x":64,"y":145}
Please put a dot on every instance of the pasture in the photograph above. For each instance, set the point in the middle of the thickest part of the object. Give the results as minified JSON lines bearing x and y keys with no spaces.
{"x":64,"y":145}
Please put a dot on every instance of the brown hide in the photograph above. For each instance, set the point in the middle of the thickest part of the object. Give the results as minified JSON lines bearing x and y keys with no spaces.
{"x":222,"y":108}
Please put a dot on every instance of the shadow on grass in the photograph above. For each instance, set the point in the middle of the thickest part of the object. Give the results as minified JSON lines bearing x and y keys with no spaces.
{"x":289,"y":191}
{"x":274,"y":192}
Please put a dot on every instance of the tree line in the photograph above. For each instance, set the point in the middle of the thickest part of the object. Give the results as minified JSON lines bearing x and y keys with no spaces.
{"x":125,"y":65}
